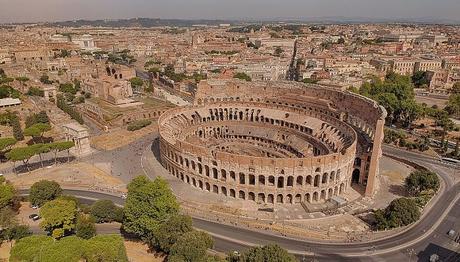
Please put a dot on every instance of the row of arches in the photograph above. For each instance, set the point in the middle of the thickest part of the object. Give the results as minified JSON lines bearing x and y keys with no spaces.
{"x":241,"y":178}
{"x":262,"y":197}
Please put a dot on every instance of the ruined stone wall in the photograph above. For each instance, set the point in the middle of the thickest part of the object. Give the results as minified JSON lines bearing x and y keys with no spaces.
{"x":305,"y":139}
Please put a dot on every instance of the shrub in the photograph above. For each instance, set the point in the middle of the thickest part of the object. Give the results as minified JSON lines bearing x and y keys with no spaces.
{"x":85,"y":227}
{"x":44,"y":191}
{"x":136,"y":125}
{"x":105,"y":211}
{"x":400,"y":212}
{"x":421,"y":180}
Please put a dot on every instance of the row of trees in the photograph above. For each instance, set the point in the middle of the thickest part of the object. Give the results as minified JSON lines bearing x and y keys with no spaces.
{"x":62,"y":104}
{"x":24,"y":154}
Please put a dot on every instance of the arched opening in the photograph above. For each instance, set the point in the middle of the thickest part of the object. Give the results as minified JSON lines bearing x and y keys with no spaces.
{"x":261,"y":198}
{"x":279,"y":199}
{"x":317,"y":179}
{"x":280,"y":182}
{"x":299,"y":181}
{"x":355,"y":176}
{"x":252,"y":196}
{"x":232,"y":192}
{"x":289,"y":199}
{"x":315,"y":197}
{"x":241,"y":194}
{"x":298,"y":198}
{"x":223,"y":190}
{"x":270,"y":199}
{"x":215,"y":189}
{"x":290,"y":181}
{"x":208,"y":187}
{"x":261,"y":180}
{"x":307,"y":198}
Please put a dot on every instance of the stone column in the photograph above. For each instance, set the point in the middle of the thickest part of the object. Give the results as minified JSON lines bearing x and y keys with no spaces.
{"x":372,"y":179}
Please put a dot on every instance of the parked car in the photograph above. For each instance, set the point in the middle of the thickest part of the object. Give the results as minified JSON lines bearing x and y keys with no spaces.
{"x":34,"y":217}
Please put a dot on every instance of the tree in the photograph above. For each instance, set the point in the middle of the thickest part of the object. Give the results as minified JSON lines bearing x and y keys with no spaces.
{"x":170,"y":231}
{"x":33,"y":119}
{"x":16,"y":232}
{"x":37,"y":130}
{"x":268,"y":253}
{"x":456,"y":88}
{"x":7,"y":194}
{"x":40,"y":149}
{"x":58,"y":217}
{"x":21,"y":154}
{"x":16,"y":125}
{"x":6,"y":144}
{"x":191,"y":247}
{"x":400,"y":212}
{"x":7,"y":217}
{"x":85,"y":228}
{"x":44,"y":191}
{"x":420,"y":79}
{"x":149,"y":203}
{"x":453,"y":105}
{"x":136,"y":82}
{"x":45,"y":79}
{"x":22,"y":79}
{"x":242,"y":76}
{"x":105,"y":211}
{"x":57,"y":147}
{"x":421,"y":180}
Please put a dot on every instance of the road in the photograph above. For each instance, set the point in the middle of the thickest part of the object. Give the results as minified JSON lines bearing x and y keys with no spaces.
{"x":426,"y":234}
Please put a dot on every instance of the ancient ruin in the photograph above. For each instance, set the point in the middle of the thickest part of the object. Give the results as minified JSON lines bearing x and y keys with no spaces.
{"x":274,"y":142}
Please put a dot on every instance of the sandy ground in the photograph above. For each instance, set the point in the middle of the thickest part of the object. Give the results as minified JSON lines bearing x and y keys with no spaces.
{"x":5,"y":249}
{"x":120,"y":137}
{"x":138,"y":252}
{"x":76,"y":175}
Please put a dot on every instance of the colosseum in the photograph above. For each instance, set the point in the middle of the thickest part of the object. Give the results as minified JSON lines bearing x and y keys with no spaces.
{"x":274,"y":142}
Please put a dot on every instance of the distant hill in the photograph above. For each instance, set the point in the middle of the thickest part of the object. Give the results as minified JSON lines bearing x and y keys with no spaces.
{"x":140,"y":22}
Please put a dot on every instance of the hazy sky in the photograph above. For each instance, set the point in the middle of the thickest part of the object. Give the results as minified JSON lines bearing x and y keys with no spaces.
{"x":52,"y":10}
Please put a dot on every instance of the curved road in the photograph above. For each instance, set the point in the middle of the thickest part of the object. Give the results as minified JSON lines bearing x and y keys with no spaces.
{"x":431,"y":229}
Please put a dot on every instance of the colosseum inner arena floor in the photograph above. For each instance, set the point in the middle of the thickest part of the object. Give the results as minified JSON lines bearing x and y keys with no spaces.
{"x":275,"y":144}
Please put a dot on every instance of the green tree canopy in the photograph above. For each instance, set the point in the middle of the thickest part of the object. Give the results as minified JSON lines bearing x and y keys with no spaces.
{"x":105,"y":211}
{"x":168,"y":232}
{"x":149,"y":203}
{"x":37,"y":130}
{"x":400,"y":212}
{"x":85,"y":228}
{"x":191,"y":247}
{"x":6,"y":143}
{"x":136,"y":82}
{"x":421,"y":180}
{"x":44,"y":191}
{"x":268,"y":253}
{"x":21,"y":154}
{"x":58,"y":215}
{"x":7,"y":194}
{"x":242,"y":76}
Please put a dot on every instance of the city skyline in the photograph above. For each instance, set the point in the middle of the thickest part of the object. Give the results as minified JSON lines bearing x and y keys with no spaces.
{"x":23,"y":11}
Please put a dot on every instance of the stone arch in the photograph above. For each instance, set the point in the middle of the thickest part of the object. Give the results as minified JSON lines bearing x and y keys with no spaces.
{"x":208,"y":186}
{"x":241,"y":194}
{"x":298,"y":198}
{"x":324,"y":178}
{"x":307,"y":198}
{"x":315,"y":197}
{"x":280,"y":183}
{"x":251,"y":196}
{"x":330,"y":193}
{"x":308,"y":180}
{"x":261,"y":198}
{"x":223,"y":190}
{"x":289,"y":199}
{"x":342,"y":188}
{"x":271,"y":180}
{"x":261,"y":180}
{"x":317,"y":180}
{"x":355,"y":176}
{"x":279,"y":198}
{"x":270,"y":199}
{"x":232,"y":192}
{"x":290,"y":181}
{"x":299,"y":181}
{"x":200,"y":183}
{"x":323,"y":194}
{"x":215,"y":189}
